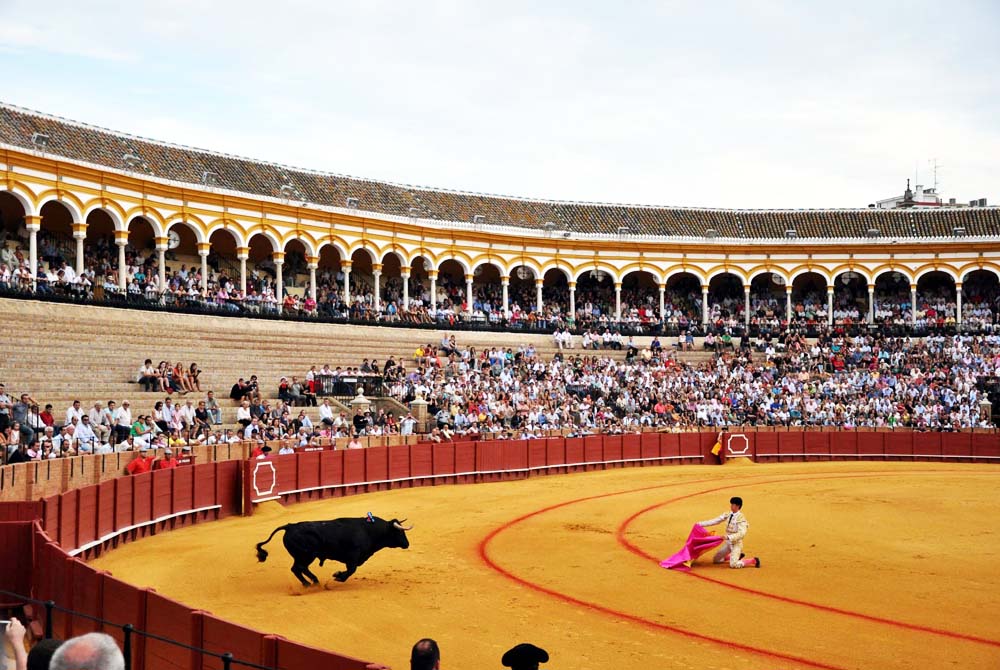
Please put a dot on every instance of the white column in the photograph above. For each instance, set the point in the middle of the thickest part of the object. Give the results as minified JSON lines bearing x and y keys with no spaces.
{"x":572,"y":300}
{"x":468,"y":292}
{"x":434,"y":288}
{"x":538,"y":295}
{"x":346,"y":267}
{"x":788,"y":305}
{"x":663,"y":301}
{"x":505,"y":285}
{"x":377,"y":277}
{"x":121,"y":239}
{"x":203,"y":251}
{"x":279,"y":279}
{"x":618,"y":301}
{"x":704,"y":304}
{"x":161,"y":256}
{"x":79,"y":234}
{"x":958,"y":303}
{"x":33,"y":224}
{"x":243,"y":253}
{"x":829,"y":304}
{"x":406,"y":290}
{"x":871,"y":303}
{"x":746,"y":305}
{"x":913,"y":304}
{"x":312,"y":264}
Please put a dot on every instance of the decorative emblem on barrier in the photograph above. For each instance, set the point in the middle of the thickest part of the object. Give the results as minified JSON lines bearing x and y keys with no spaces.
{"x":265,"y":478}
{"x":742,"y":446}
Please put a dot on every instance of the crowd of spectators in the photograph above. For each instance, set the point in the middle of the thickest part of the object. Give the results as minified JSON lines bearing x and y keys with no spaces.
{"x":594,"y":300}
{"x":865,"y":381}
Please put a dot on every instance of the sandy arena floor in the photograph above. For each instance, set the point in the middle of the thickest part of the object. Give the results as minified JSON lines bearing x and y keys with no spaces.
{"x":865,"y":565}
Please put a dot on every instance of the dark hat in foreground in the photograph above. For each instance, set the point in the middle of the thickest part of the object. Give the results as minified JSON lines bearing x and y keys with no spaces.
{"x":524,"y":655}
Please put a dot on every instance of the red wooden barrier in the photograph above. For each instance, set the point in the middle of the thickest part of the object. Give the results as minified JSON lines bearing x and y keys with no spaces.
{"x":307,"y":469}
{"x":86,"y":518}
{"x":377,"y":464}
{"x":286,"y":472}
{"x":421,"y":460}
{"x":67,"y":518}
{"x":205,"y":484}
{"x":124,"y":507}
{"x":791,"y":446}
{"x":443,"y":462}
{"x":399,"y":462}
{"x":21,"y":510}
{"x":105,"y":508}
{"x":766,"y":446}
{"x":291,"y":655}
{"x":161,"y":492}
{"x":537,"y":454}
{"x":85,"y":597}
{"x":649,"y":446}
{"x":632,"y":447}
{"x":168,"y":618}
{"x":120,"y":603}
{"x":182,"y":489}
{"x":354,"y":466}
{"x":612,"y":448}
{"x":16,"y":540}
{"x":331,"y":468}
{"x":221,"y":636}
{"x":489,"y":458}
{"x":670,"y":446}
{"x":50,"y":516}
{"x":593,"y":451}
{"x":927,"y":444}
{"x":898,"y":444}
{"x":844,"y":443}
{"x":816,"y":444}
{"x":555,"y":452}
{"x":956,"y":444}
{"x":143,"y":498}
{"x":574,"y":451}
{"x":871,"y":445}
{"x":465,"y":460}
{"x":985,"y":445}
{"x":690,"y":445}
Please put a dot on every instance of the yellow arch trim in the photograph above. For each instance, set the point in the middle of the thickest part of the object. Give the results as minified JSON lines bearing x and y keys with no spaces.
{"x":984,"y":265}
{"x":61,"y":196}
{"x":719,"y":270}
{"x":947,"y":268}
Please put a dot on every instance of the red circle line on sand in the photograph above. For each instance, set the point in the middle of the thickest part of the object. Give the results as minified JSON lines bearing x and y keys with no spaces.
{"x":623,"y":541}
{"x":484,"y":556}
{"x":483,"y":550}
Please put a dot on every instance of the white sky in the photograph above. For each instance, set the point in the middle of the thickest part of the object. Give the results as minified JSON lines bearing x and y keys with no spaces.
{"x":724,"y":104}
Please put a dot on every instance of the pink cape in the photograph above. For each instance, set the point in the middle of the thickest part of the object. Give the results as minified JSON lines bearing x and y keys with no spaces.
{"x":699,"y":541}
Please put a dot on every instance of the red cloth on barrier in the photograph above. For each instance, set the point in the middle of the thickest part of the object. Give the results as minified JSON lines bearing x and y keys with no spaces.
{"x":699,"y":541}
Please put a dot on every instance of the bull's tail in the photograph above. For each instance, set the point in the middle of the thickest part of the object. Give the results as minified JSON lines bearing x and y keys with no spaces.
{"x":261,"y":553}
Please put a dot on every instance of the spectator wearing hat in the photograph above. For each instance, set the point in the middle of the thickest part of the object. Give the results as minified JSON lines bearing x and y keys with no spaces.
{"x":425,"y":655}
{"x":167,"y":462}
{"x":142,"y":463}
{"x":524,"y":656}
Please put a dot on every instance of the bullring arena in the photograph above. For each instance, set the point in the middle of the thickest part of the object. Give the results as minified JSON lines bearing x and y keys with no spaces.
{"x":874,"y":536}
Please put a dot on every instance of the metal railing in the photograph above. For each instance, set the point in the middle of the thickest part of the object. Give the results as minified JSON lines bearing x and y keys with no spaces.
{"x":128,"y":632}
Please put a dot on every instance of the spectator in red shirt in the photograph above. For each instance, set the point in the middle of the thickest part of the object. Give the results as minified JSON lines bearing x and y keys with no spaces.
{"x":47,"y":417}
{"x":142,"y":463}
{"x":168,"y":461}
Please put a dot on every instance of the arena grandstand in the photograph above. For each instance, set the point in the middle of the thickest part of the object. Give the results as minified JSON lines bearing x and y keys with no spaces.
{"x":383,"y":329}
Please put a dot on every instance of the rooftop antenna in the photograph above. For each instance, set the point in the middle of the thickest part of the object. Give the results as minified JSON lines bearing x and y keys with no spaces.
{"x":935,"y":166}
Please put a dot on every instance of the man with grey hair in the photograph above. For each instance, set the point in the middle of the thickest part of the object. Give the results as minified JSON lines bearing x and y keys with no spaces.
{"x":93,"y":651}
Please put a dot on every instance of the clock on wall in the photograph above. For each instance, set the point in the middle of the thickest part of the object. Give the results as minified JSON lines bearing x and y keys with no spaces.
{"x":173,"y":239}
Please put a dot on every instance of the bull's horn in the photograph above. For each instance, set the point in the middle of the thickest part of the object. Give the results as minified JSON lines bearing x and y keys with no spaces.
{"x":401,"y":527}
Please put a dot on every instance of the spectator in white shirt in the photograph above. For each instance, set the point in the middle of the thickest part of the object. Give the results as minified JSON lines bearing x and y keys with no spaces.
{"x":74,"y":410}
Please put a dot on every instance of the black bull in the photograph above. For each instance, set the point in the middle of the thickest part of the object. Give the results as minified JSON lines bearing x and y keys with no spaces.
{"x":350,"y":541}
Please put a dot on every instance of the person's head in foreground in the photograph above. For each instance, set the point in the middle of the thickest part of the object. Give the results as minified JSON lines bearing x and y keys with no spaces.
{"x":524,"y":656}
{"x":735,"y":503}
{"x":425,"y":655}
{"x":93,"y":651}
